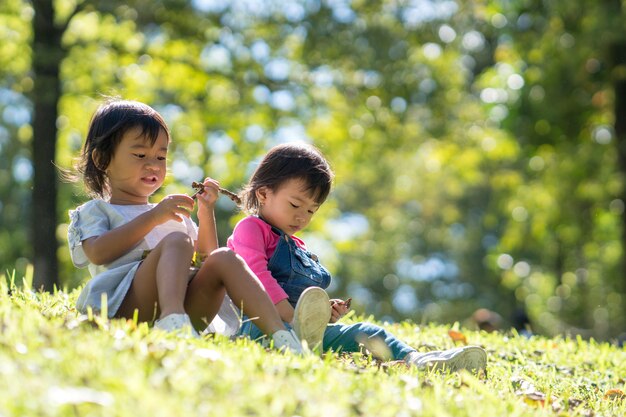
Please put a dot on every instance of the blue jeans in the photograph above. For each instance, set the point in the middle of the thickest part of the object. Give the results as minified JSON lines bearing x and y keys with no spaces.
{"x":346,"y":338}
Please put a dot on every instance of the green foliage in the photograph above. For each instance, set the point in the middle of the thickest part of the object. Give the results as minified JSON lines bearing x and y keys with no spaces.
{"x":55,"y":362}
{"x":15,"y":134}
{"x":472,"y":142}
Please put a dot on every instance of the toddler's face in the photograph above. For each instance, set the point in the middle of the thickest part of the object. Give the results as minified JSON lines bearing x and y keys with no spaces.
{"x":289,"y":208}
{"x":137,"y":168}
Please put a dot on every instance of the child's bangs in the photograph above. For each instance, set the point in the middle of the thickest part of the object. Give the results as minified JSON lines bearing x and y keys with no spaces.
{"x":317,"y":187}
{"x":150,"y":129}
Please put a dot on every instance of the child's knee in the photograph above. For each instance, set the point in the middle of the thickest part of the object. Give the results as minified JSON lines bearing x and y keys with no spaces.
{"x":223,"y":257}
{"x":178,"y":240}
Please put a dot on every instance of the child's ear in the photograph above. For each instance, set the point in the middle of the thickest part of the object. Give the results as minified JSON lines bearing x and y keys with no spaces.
{"x":261,"y":194}
{"x":98,"y":161}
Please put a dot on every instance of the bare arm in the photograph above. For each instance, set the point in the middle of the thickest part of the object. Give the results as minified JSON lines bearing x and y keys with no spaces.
{"x":207,"y":229}
{"x":285,"y":310}
{"x":115,"y":243}
{"x":207,"y":235}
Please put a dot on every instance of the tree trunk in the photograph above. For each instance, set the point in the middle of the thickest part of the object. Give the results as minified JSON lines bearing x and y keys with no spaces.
{"x":47,"y":56}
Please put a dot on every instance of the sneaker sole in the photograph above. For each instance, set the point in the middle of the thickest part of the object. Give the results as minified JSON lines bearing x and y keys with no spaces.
{"x":311,"y":316}
{"x":177,"y":325}
{"x":471,"y":358}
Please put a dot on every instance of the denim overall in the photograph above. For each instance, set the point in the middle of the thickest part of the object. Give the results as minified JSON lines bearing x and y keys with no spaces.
{"x":296,"y":269}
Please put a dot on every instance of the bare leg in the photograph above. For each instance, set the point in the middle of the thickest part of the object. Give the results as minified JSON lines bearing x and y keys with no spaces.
{"x":224,"y":271}
{"x":160,"y":283}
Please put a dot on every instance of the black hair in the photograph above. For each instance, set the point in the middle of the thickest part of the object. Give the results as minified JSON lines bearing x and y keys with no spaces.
{"x":108,"y":125}
{"x":286,"y":162}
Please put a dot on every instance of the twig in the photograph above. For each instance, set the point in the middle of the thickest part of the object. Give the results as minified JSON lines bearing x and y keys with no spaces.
{"x":200,"y":189}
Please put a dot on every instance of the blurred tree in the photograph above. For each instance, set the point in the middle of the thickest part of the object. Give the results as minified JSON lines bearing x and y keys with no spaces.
{"x":406,"y":78}
{"x":560,"y":248}
{"x":614,"y":14}
{"x":47,"y":55}
{"x":15,"y":134}
{"x":51,"y":45}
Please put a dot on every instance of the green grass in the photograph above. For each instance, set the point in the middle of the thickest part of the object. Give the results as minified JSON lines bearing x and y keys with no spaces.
{"x":53,"y":362}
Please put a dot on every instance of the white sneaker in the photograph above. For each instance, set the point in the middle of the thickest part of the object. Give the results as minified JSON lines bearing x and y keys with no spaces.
{"x":176,"y":323}
{"x":471,"y":358}
{"x":311,"y":317}
{"x":287,"y":340}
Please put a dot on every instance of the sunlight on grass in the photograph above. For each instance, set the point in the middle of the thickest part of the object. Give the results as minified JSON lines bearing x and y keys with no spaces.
{"x":55,"y":362}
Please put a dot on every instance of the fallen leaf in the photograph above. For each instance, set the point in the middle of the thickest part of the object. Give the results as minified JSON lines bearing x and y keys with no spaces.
{"x":457,"y":336}
{"x":614,"y":394}
{"x":539,"y":399}
{"x":535,"y":398}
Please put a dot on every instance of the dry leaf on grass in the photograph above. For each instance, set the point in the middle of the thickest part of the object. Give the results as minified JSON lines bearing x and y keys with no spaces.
{"x":457,"y":337}
{"x":614,"y":394}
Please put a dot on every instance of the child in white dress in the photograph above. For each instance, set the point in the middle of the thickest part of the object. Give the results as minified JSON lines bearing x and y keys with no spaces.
{"x":150,"y":259}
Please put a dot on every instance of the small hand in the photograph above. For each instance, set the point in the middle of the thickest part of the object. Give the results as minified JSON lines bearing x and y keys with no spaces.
{"x":199,"y":187}
{"x":339,"y":308}
{"x":208,"y":197}
{"x":210,"y":192}
{"x":172,"y":207}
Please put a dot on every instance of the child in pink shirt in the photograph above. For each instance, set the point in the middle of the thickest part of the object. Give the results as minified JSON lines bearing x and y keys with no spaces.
{"x":286,"y":190}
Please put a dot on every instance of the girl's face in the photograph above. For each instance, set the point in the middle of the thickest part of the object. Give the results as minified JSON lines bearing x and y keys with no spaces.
{"x":137,"y":168}
{"x":289,"y":208}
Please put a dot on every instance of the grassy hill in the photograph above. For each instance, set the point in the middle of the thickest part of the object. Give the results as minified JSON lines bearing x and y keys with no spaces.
{"x":54,"y":362}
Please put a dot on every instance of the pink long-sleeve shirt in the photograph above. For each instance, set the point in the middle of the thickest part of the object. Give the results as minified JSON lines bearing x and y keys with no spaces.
{"x":255,"y":242}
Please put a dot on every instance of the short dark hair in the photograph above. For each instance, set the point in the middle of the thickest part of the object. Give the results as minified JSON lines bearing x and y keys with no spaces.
{"x":108,"y":125}
{"x":286,"y":162}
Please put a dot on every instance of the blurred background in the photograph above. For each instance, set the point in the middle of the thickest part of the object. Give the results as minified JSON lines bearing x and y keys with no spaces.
{"x":479,"y":146}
